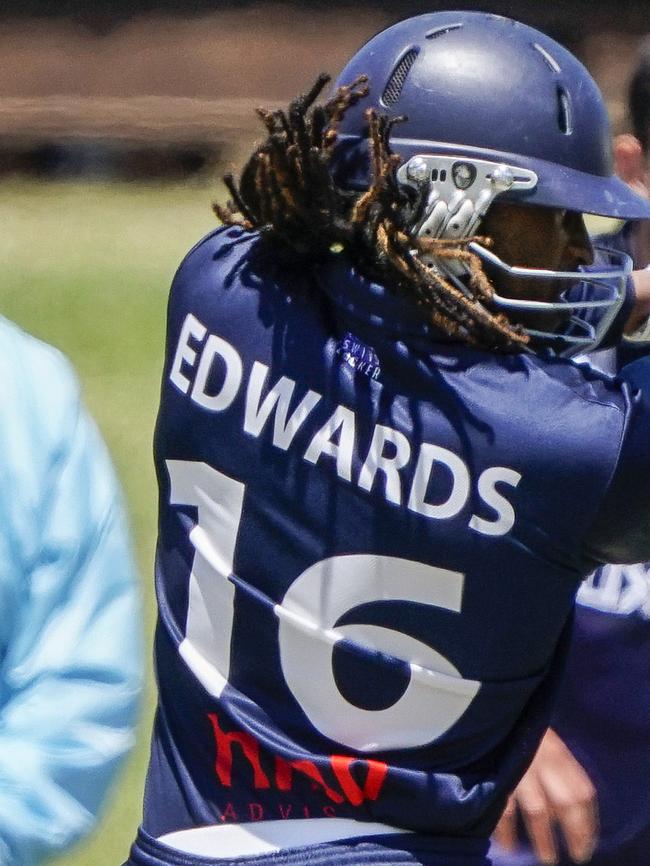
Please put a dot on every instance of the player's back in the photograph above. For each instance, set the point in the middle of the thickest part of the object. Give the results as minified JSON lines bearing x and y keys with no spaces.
{"x":370,"y":540}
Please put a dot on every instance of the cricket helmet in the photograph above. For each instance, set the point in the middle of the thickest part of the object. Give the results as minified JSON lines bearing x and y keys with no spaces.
{"x":494,"y":109}
{"x":478,"y":85}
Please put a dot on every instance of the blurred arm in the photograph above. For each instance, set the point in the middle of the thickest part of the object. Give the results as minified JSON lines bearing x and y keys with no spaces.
{"x":630,"y":164}
{"x":71,"y":665}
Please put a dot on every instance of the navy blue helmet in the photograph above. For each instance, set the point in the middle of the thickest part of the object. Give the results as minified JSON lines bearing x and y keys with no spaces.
{"x":479,"y":85}
{"x":495,"y":108}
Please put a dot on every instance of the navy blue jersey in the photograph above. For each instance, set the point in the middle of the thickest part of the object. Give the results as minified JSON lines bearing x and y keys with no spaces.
{"x":370,"y":542}
{"x":603,"y":707}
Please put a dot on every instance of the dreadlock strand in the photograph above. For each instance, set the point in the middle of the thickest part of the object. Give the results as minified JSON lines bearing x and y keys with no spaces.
{"x":458,"y":252}
{"x":283,"y":169}
{"x":439,"y":311}
{"x":318,"y":125}
{"x":228,"y":217}
{"x":302,"y":139}
{"x":314,"y":92}
{"x":231,"y":186}
{"x":436,"y":294}
{"x":281,"y":123}
{"x":262,"y":188}
{"x":295,"y":167}
{"x":477,"y":278}
{"x":360,"y":210}
{"x":377,"y":150}
{"x":286,"y":190}
{"x":299,"y":120}
{"x":394,"y":121}
{"x":457,"y":304}
{"x":346,"y":96}
{"x":268,"y":118}
{"x":278,"y":214}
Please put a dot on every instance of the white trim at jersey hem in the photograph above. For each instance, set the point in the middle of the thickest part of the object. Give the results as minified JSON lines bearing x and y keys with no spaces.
{"x":230,"y":841}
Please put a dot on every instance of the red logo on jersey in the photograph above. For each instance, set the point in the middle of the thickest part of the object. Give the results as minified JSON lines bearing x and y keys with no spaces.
{"x":344,"y":786}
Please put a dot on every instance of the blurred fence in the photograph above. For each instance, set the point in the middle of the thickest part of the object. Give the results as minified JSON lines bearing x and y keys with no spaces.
{"x":172,"y":96}
{"x":121,"y":136}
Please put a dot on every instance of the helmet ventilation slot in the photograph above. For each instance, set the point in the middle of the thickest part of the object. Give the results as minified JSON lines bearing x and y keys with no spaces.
{"x":550,"y":61}
{"x":564,"y":118}
{"x":440,"y":31}
{"x":398,"y":77}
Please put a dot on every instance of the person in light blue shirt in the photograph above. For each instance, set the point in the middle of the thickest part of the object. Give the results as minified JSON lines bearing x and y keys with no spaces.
{"x":70,"y":655}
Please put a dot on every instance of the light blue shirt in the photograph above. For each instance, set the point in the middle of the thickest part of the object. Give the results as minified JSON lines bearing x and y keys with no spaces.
{"x":70,"y":647}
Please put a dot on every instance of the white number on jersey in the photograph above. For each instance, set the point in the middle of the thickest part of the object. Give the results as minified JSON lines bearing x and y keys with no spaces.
{"x":436,"y":695}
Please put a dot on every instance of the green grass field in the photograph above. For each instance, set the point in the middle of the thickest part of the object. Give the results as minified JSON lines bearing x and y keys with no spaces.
{"x":87,"y":268}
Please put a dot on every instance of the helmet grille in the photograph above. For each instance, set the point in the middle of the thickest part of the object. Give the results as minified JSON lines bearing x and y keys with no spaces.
{"x":398,"y":76}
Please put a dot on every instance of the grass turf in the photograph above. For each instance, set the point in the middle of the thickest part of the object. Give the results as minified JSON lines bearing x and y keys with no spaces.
{"x":87,"y":267}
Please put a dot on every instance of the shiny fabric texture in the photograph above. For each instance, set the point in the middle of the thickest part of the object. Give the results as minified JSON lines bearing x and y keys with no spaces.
{"x":332,"y":536}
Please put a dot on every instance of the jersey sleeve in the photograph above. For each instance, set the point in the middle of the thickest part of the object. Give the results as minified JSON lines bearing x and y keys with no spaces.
{"x":71,"y":653}
{"x":621,"y":530}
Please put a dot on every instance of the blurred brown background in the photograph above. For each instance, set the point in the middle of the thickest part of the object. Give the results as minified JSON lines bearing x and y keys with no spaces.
{"x":167,"y":89}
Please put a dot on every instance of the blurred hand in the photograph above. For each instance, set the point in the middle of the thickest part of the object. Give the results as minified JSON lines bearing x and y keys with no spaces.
{"x":555,"y":795}
{"x":630,"y":164}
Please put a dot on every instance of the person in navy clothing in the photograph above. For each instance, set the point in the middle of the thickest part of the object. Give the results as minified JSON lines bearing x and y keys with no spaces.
{"x":381,"y":483}
{"x":586,"y":796}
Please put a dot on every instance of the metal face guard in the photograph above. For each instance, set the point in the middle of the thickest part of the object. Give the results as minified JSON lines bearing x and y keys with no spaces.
{"x":460,"y":191}
{"x":591,"y":300}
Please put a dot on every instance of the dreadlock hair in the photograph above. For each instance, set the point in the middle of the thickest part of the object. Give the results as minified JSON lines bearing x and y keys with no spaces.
{"x":286,"y":190}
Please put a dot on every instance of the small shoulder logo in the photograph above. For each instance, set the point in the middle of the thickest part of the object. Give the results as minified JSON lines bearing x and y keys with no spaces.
{"x":360,"y":357}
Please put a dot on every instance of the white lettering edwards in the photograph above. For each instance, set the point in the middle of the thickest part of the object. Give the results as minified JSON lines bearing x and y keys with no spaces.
{"x":389,"y":452}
